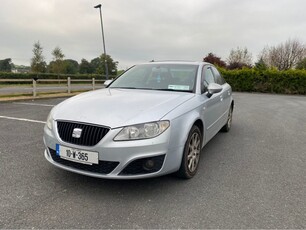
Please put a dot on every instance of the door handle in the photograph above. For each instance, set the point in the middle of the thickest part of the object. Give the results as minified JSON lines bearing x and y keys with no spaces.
{"x":221,"y":98}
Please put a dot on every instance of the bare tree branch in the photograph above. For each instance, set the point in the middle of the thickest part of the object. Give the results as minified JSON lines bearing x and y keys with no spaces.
{"x":285,"y":55}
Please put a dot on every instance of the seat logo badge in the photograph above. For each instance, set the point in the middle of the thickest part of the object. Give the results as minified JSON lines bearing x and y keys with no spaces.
{"x":77,"y":133}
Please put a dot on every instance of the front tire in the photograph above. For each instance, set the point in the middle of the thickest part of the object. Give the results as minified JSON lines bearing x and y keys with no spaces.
{"x":191,"y":155}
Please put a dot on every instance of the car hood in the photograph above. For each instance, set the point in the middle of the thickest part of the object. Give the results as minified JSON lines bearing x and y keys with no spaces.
{"x":119,"y":107}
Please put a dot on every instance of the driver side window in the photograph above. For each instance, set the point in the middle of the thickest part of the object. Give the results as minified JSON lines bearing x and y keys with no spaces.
{"x":207,"y":78}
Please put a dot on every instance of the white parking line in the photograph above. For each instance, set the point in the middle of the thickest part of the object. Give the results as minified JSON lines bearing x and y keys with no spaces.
{"x":22,"y":119}
{"x":23,"y":103}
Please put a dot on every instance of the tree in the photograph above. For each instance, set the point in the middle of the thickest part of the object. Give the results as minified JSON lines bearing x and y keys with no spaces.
{"x":85,"y":67}
{"x":6,"y":65}
{"x":285,"y":55}
{"x":38,"y":64}
{"x":96,"y":64}
{"x":71,"y":66}
{"x":301,"y":64}
{"x":57,"y":65}
{"x":213,"y":59}
{"x":239,"y":58}
{"x":261,"y":65}
{"x":99,"y":67}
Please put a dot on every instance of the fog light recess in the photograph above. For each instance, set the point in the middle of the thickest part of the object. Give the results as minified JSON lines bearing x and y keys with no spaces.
{"x":144,"y":166}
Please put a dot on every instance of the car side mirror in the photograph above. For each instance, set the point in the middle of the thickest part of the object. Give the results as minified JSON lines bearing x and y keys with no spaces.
{"x":107,"y":82}
{"x":213,"y":88}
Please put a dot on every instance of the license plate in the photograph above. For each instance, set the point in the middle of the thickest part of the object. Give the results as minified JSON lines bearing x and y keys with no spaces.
{"x":77,"y":155}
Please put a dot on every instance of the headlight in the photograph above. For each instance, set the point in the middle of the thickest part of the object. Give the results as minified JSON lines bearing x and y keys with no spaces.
{"x":49,"y":121}
{"x":142,"y":131}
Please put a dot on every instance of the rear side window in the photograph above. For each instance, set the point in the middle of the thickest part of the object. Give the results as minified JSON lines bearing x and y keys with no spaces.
{"x":219,"y":79}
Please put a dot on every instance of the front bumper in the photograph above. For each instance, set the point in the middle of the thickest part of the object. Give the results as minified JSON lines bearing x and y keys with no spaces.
{"x":119,"y":159}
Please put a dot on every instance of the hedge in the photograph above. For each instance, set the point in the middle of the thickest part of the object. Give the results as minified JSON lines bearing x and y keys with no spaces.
{"x":267,"y":81}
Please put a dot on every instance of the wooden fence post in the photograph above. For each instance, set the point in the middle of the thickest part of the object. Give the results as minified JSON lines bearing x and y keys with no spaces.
{"x":69,"y":84}
{"x":34,"y":88}
{"x":93,"y":84}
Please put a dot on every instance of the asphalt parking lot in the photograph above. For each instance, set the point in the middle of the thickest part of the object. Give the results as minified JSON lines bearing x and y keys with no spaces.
{"x":252,"y":177}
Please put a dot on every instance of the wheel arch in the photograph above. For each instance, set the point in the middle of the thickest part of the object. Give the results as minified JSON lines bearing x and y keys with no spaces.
{"x":185,"y":124}
{"x":200,"y":125}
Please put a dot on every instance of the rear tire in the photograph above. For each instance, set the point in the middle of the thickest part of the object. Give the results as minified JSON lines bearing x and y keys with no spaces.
{"x":191,"y":155}
{"x":228,"y":124}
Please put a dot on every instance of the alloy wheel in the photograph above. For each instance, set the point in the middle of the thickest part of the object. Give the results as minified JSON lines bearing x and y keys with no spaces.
{"x":194,"y":152}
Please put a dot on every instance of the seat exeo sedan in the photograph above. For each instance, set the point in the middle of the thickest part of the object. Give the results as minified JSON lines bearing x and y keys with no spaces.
{"x":152,"y":120}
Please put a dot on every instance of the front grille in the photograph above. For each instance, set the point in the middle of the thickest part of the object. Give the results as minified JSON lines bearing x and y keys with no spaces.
{"x":138,"y":167}
{"x":90,"y":136}
{"x":104,"y":167}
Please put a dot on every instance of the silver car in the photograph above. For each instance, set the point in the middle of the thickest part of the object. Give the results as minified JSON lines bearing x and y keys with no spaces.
{"x":152,"y":120}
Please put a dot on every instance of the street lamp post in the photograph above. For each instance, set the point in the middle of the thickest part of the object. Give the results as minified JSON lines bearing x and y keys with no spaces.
{"x":105,"y":58}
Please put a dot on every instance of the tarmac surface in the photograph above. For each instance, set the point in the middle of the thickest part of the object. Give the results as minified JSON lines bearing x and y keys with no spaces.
{"x":252,"y":177}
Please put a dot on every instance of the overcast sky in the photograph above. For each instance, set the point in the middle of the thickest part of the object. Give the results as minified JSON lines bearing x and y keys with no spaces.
{"x":141,"y":30}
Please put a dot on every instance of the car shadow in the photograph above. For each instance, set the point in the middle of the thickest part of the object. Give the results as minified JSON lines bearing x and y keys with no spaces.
{"x":81,"y":185}
{"x":211,"y":156}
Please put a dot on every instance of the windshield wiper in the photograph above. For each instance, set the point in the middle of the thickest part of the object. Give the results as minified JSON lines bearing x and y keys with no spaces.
{"x":175,"y":90}
{"x":130,"y":88}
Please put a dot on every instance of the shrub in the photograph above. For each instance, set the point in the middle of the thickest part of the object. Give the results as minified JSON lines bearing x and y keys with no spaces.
{"x":267,"y":81}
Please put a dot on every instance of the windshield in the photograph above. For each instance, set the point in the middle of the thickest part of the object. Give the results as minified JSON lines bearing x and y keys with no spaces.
{"x":169,"y":77}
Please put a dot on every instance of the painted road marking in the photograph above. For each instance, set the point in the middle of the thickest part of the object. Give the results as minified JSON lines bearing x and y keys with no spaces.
{"x":22,"y":119}
{"x":24,"y":103}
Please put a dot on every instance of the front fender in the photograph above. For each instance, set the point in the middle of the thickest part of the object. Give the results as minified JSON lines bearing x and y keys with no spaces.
{"x":181,"y":127}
